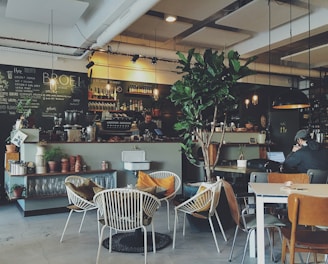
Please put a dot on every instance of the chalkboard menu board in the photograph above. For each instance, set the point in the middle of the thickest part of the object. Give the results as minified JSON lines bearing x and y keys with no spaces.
{"x":18,"y":83}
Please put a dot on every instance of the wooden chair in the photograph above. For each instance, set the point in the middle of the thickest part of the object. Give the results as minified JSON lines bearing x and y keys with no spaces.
{"x":126,"y":210}
{"x":305,"y":213}
{"x":276,"y":177}
{"x":202,"y":205}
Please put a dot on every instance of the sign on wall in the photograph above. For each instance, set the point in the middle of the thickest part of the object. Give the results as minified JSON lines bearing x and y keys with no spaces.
{"x":18,"y":82}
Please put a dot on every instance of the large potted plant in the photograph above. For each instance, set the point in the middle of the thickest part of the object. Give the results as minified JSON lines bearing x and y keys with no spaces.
{"x":205,"y":92}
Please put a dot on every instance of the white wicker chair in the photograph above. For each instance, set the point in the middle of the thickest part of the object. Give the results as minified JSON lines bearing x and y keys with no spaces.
{"x":126,"y":210}
{"x":77,"y":203}
{"x":206,"y":199}
{"x":167,"y":199}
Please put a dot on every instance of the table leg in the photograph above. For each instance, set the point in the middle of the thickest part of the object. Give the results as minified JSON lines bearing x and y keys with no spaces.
{"x":260,"y":230}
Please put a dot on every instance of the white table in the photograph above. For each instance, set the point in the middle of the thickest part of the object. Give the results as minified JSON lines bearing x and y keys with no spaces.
{"x":272,"y":193}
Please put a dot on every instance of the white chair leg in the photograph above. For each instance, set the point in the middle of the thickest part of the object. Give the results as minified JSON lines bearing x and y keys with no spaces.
{"x":100,"y":243}
{"x":233,"y":243}
{"x":168,"y":214}
{"x":214,"y":235}
{"x":184,"y":224}
{"x":145,"y":243}
{"x":246,"y":244}
{"x":175,"y":228}
{"x":153,"y":237}
{"x":221,"y":228}
{"x":84,"y":213}
{"x":66,"y":224}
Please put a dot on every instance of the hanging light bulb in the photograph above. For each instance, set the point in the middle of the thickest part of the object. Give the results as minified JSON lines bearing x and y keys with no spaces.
{"x":255,"y":99}
{"x":156,"y":94}
{"x":247,"y":101}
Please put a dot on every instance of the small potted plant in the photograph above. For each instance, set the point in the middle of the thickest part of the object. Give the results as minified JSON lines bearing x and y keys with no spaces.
{"x":241,"y":162}
{"x":10,"y":147}
{"x":53,"y":156}
{"x":23,"y":108}
{"x":17,"y":190}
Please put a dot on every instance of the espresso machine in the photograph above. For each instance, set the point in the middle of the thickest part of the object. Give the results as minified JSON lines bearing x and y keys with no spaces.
{"x":72,"y":128}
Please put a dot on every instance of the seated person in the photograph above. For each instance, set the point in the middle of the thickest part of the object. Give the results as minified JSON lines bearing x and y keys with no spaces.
{"x":147,"y":124}
{"x":306,"y":154}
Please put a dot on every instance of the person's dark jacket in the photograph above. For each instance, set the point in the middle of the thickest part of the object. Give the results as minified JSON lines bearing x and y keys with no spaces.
{"x":151,"y":126}
{"x":312,"y":156}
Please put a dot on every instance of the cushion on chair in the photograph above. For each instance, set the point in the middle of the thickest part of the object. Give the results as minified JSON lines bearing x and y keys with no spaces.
{"x":144,"y":181}
{"x":207,"y":207}
{"x":98,"y":189}
{"x":151,"y":190}
{"x":85,"y":190}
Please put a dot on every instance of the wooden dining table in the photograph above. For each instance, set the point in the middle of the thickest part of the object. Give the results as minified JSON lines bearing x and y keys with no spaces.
{"x":277,"y":193}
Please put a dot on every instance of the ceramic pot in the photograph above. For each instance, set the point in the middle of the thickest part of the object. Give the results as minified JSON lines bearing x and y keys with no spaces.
{"x":52,"y":165}
{"x":11,"y":148}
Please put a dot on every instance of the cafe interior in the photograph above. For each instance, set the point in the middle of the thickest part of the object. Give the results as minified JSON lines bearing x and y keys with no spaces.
{"x":115,"y":61}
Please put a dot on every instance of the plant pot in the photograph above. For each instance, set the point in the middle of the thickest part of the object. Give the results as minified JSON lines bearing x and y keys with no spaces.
{"x":241,"y":163}
{"x":11,"y":148}
{"x":52,"y":165}
{"x":18,"y":192}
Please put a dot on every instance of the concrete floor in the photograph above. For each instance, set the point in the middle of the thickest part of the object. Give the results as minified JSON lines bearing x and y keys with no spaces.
{"x":35,"y":239}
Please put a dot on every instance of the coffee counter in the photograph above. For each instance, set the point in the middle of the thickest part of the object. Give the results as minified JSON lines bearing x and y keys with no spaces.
{"x":163,"y":156}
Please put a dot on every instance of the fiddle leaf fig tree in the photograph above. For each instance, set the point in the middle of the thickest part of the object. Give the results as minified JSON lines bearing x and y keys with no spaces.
{"x":204,"y":93}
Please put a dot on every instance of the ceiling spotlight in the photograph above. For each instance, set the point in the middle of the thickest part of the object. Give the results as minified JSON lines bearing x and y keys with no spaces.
{"x":154,"y":60}
{"x":90,"y":64}
{"x":135,"y":58}
{"x":170,"y":18}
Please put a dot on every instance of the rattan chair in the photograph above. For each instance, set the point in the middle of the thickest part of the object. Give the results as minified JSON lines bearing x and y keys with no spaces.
{"x":167,"y":199}
{"x":126,"y":210}
{"x":77,"y":203}
{"x":202,"y":205}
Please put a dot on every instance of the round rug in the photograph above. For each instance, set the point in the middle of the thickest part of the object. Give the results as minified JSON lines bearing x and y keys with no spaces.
{"x":133,"y":242}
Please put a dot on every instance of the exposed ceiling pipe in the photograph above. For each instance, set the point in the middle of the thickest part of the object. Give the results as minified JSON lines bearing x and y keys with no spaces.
{"x":125,"y":20}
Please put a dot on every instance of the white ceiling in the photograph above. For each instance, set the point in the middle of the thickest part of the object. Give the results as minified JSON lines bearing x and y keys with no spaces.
{"x":80,"y":27}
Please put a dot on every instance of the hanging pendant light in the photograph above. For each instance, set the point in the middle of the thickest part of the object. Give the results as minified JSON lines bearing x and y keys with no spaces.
{"x":293,"y":98}
{"x":108,"y":87}
{"x":53,"y":80}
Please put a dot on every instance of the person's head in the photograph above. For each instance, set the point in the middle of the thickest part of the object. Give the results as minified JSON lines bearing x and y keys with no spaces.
{"x":302,"y":136}
{"x":148,"y":117}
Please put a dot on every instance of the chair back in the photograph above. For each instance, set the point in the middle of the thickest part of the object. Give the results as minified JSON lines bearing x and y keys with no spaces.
{"x":73,"y":197}
{"x":307,"y":210}
{"x":216,"y":193}
{"x":276,"y":177}
{"x":317,"y":176}
{"x":259,"y":177}
{"x":232,"y":201}
{"x":126,"y":209}
{"x":164,"y":174}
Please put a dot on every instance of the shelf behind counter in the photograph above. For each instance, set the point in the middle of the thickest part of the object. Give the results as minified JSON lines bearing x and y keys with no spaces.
{"x":46,"y":193}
